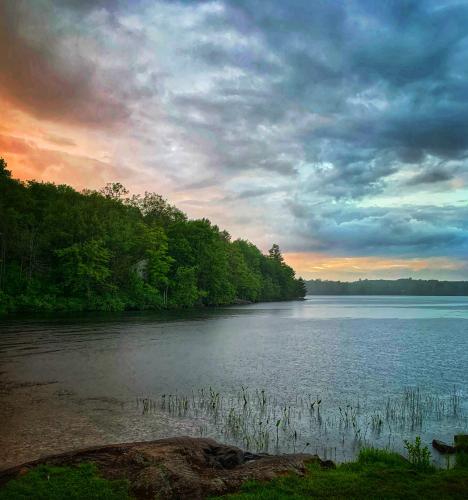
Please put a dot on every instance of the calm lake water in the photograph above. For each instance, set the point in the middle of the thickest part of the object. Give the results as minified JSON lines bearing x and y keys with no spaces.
{"x":326,"y":375}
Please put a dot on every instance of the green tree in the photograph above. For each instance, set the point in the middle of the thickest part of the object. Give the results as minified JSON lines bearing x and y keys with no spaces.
{"x":183,"y":290}
{"x":275,"y":253}
{"x":158,"y":261}
{"x":64,"y":249}
{"x":114,"y":191}
{"x":85,"y":267}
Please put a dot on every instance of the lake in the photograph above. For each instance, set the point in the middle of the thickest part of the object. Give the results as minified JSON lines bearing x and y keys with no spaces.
{"x":326,"y":375}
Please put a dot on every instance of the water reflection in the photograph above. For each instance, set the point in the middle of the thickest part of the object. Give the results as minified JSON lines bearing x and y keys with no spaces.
{"x":347,"y":351}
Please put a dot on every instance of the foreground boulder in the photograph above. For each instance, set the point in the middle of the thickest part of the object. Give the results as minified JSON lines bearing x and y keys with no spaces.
{"x":183,"y":467}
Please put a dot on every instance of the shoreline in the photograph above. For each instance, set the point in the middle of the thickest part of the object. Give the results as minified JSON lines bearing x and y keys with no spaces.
{"x":176,"y":467}
{"x":174,"y":310}
{"x":198,"y":468}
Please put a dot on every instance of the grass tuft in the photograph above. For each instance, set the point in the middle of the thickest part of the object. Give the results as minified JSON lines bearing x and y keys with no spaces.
{"x":376,"y":456}
{"x":65,"y":483}
{"x":375,"y":474}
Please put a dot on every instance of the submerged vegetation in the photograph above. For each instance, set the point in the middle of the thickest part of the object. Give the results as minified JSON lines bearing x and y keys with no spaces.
{"x":66,"y":250}
{"x":257,"y":421}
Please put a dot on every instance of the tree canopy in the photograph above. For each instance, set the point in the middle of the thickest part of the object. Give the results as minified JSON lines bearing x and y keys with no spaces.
{"x":61,"y":249}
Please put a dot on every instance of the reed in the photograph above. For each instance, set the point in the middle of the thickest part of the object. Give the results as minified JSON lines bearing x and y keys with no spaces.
{"x":256,"y":420}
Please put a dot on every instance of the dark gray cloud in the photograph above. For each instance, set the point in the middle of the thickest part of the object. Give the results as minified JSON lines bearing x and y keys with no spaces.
{"x":334,"y":104}
{"x":403,"y":231}
{"x":431,"y":176}
{"x":384,"y":79}
{"x":254,"y":193}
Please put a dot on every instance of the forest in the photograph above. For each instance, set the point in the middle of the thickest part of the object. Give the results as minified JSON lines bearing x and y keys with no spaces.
{"x":406,"y":286}
{"x":64,"y":250}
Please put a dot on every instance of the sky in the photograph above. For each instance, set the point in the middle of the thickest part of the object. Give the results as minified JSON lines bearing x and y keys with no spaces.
{"x":337,"y":129}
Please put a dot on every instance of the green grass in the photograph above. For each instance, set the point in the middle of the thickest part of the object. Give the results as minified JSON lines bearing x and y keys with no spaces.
{"x":64,"y":483}
{"x":376,"y":474}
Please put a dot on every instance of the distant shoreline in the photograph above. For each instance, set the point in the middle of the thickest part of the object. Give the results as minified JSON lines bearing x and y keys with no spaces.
{"x":399,"y":287}
{"x":384,"y":295}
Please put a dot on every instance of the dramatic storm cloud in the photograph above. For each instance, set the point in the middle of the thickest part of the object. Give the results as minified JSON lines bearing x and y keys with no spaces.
{"x":338,"y":129}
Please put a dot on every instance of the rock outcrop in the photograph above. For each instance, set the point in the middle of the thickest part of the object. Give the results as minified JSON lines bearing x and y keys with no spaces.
{"x":182,"y":467}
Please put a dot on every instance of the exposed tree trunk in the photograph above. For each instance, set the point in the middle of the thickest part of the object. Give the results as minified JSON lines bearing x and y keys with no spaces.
{"x":31,"y":255}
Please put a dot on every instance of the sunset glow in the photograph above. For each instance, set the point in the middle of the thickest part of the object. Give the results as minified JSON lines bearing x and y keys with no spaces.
{"x":275,"y":126}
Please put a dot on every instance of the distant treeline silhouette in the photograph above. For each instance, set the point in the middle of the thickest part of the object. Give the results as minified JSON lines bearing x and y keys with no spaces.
{"x":407,"y":286}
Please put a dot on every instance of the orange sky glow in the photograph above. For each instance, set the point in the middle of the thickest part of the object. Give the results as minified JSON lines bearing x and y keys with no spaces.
{"x":354,"y":171}
{"x":317,"y":266}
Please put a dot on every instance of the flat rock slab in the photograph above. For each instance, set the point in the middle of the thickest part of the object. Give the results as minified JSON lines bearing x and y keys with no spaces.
{"x":181,"y":467}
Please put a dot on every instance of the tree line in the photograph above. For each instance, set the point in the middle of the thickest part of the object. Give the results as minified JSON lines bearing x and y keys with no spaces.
{"x":61,"y":249}
{"x":406,"y":286}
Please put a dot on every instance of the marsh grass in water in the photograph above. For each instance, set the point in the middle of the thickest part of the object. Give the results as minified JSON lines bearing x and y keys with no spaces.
{"x":258,"y":421}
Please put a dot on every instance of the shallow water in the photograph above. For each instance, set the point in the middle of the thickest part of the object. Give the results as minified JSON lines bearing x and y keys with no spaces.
{"x":72,"y":381}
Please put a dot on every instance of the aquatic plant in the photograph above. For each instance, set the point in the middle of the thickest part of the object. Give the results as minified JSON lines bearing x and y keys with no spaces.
{"x":256,"y":420}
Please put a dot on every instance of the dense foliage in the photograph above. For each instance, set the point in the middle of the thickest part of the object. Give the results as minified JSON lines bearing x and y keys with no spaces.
{"x":66,"y":250}
{"x":387,"y":287}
